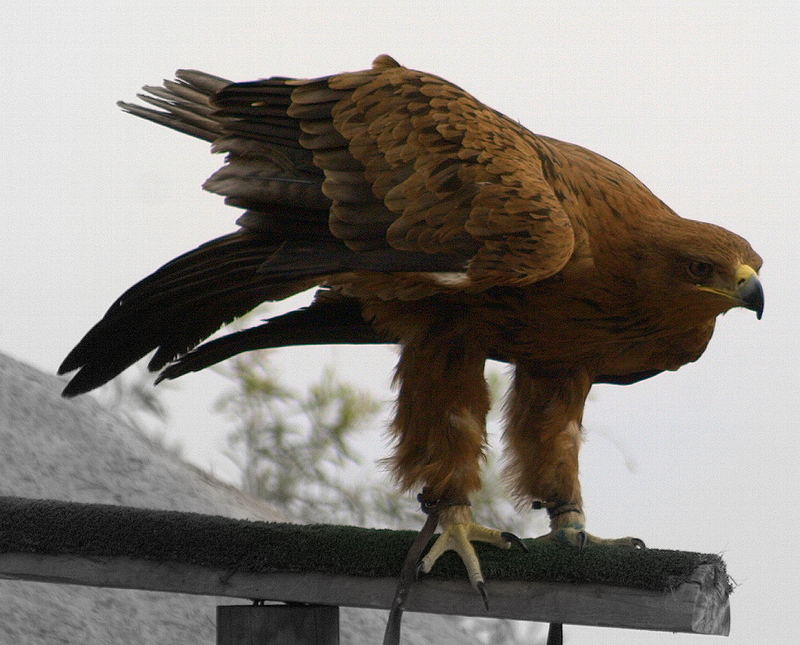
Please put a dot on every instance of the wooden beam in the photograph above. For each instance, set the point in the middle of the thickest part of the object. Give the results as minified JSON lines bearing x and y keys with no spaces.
{"x":699,"y":606}
{"x":277,"y":625}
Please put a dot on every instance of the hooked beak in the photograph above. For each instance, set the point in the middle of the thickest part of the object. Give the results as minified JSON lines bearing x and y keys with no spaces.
{"x":747,"y":293}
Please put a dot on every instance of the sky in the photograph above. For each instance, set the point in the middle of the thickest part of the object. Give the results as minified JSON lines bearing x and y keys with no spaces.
{"x":699,"y":100}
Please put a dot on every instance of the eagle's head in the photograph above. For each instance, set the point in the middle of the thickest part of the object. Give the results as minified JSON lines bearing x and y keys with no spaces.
{"x":694,"y":271}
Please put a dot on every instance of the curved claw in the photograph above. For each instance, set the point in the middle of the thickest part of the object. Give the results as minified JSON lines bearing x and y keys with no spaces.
{"x":481,"y":587}
{"x":581,"y":539}
{"x":417,"y":569}
{"x":460,"y":531}
{"x":513,"y":539}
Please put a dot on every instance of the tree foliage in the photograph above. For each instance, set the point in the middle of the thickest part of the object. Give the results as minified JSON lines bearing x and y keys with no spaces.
{"x":296,"y":449}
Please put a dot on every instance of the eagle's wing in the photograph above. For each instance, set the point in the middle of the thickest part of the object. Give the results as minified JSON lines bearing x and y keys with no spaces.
{"x":385,"y":170}
{"x":403,"y":167}
{"x":410,"y":164}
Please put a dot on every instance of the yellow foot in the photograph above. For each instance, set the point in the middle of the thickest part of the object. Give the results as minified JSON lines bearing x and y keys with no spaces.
{"x":567,"y":527}
{"x":575,"y":535}
{"x":459,"y":531}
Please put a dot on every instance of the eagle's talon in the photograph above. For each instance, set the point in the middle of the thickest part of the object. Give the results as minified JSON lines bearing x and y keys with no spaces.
{"x":459,"y":531}
{"x":513,"y":539}
{"x":418,"y":569}
{"x":481,"y":587}
{"x":582,"y":539}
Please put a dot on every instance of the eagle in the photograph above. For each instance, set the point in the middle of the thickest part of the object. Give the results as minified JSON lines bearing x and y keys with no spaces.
{"x":430,"y":220}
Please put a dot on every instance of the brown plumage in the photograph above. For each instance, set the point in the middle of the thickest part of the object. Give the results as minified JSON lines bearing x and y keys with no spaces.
{"x":438,"y":223}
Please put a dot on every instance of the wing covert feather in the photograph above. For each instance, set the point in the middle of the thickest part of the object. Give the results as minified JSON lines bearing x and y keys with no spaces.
{"x":444,"y":174}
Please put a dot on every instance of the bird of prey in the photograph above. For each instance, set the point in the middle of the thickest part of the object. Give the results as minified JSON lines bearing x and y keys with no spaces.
{"x":430,"y":220}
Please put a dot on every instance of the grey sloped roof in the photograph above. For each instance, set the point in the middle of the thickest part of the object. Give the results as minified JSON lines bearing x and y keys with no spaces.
{"x":74,"y":450}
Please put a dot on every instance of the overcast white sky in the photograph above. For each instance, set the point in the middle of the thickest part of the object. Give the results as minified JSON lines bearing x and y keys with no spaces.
{"x":699,"y":100}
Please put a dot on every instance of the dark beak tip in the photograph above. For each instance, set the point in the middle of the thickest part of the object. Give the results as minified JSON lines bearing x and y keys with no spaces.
{"x":752,"y":296}
{"x":759,"y":302}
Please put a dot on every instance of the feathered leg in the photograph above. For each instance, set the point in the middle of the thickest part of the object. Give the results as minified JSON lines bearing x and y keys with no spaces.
{"x":543,"y":430}
{"x":441,"y":434}
{"x":440,"y":419}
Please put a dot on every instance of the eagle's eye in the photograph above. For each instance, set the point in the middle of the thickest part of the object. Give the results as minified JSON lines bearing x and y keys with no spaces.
{"x":699,"y":270}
